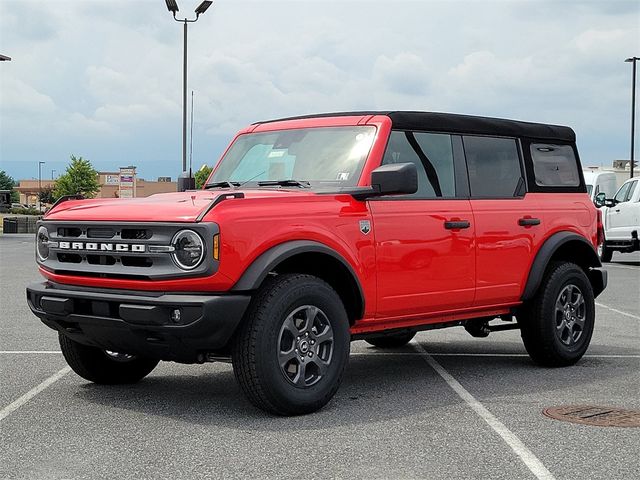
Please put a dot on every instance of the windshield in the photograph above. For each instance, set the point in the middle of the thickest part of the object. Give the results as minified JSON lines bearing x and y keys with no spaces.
{"x":589,"y":189}
{"x":320,"y":156}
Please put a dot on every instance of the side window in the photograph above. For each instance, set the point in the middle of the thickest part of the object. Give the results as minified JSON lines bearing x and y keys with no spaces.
{"x":494,"y":166}
{"x":554,"y":165}
{"x":632,"y":189}
{"x":432,"y":153}
{"x":622,"y":193}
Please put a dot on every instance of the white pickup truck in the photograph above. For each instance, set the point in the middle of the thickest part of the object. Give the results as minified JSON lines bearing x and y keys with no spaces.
{"x":621,"y":219}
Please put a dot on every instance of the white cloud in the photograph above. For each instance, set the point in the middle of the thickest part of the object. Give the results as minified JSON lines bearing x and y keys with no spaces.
{"x":106,"y":75}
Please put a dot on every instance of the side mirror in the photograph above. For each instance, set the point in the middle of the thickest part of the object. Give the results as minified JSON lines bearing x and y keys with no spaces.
{"x":600,"y":199}
{"x":395,"y":179}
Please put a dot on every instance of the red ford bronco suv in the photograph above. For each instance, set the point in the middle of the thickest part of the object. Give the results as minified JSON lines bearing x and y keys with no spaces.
{"x":315,"y":231}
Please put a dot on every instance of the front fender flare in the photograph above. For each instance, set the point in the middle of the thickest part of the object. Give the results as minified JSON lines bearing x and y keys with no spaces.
{"x":255,"y":274}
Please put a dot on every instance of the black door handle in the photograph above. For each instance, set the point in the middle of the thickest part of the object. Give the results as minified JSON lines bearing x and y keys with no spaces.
{"x":456,"y":224}
{"x":528,"y":222}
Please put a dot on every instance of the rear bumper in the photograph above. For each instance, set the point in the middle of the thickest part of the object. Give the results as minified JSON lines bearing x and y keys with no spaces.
{"x":598,"y":279}
{"x":625,"y":245}
{"x":165,"y":326}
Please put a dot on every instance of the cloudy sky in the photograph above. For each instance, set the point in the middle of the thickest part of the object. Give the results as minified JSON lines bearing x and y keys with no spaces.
{"x":102,"y":79}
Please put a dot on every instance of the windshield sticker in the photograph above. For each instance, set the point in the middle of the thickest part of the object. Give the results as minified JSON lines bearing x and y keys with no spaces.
{"x":343,"y":176}
{"x":276,"y":153}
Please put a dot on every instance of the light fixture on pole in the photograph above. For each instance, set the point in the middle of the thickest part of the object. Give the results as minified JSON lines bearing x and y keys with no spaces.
{"x":40,"y":185}
{"x":4,"y":58}
{"x":185,"y":182}
{"x":633,"y":61}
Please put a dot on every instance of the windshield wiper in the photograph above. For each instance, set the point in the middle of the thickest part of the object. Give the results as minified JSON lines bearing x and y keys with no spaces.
{"x":224,"y":184}
{"x":285,"y":183}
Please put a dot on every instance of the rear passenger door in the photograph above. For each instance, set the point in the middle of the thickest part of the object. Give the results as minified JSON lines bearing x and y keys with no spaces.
{"x":424,"y":241}
{"x":507,"y":221}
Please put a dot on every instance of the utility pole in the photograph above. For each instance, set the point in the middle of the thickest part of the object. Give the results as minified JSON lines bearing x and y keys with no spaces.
{"x":40,"y":185}
{"x":185,"y":181}
{"x":633,"y":61}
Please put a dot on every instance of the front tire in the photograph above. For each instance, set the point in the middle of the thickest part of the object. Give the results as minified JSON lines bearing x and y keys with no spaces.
{"x":101,"y":366}
{"x":290,"y":354}
{"x":557,"y":324}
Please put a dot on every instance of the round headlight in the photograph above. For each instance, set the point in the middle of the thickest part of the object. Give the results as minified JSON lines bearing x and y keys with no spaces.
{"x":42,"y":243}
{"x":189,"y":249}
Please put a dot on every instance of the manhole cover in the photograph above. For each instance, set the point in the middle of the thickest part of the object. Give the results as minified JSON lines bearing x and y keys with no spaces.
{"x":595,"y":415}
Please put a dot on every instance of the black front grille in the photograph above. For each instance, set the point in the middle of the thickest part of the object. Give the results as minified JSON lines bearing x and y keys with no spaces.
{"x":135,"y":234}
{"x":97,"y":232}
{"x":101,"y":259}
{"x":145,"y":262}
{"x":69,"y":232}
{"x":69,"y":258}
{"x":121,"y":250}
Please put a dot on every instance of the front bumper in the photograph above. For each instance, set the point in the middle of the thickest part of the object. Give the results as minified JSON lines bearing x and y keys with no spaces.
{"x":166,"y":326}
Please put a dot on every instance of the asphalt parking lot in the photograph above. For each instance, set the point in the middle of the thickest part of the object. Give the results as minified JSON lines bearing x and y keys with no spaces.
{"x":446,"y":406}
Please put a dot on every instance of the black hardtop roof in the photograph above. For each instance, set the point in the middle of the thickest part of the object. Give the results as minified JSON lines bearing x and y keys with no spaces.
{"x":455,"y":123}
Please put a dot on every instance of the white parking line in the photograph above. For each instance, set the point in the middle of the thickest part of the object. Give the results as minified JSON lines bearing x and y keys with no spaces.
{"x":454,"y":354}
{"x":13,"y":406}
{"x":36,"y":352}
{"x":527,"y":456}
{"x":626,"y":314}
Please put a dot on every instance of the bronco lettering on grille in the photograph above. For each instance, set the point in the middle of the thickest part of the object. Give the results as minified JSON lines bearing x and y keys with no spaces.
{"x":103,"y":247}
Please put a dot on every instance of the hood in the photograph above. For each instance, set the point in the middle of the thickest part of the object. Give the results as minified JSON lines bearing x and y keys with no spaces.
{"x":163,"y":207}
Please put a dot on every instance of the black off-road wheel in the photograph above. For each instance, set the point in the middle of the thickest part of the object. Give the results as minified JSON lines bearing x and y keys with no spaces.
{"x":557,"y":324}
{"x":291,"y":351}
{"x":103,"y":366}
{"x":391,"y":341}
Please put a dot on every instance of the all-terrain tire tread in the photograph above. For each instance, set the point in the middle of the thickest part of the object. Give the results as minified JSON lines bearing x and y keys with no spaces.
{"x":537,"y":337}
{"x":246,"y":339}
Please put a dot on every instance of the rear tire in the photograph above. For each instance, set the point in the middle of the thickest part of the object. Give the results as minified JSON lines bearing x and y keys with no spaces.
{"x":391,"y":341}
{"x":557,"y":324}
{"x":290,"y":353}
{"x":98,"y":366}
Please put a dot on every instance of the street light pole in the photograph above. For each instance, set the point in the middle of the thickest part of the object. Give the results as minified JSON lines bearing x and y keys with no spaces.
{"x":40,"y":185}
{"x":185,"y":181}
{"x":633,"y":60}
{"x":184,"y":101}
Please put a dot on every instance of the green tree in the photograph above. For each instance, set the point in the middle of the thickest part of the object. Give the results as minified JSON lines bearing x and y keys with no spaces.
{"x":79,"y":178}
{"x":8,"y":183}
{"x":46,"y":195}
{"x":202,"y":175}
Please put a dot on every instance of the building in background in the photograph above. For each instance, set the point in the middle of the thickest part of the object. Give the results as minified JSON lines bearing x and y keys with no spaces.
{"x":621,"y":168}
{"x":121,"y":184}
{"x":126,"y":184}
{"x":28,"y":190}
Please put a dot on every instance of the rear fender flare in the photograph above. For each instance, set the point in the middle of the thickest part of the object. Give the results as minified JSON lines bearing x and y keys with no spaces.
{"x":546,"y":252}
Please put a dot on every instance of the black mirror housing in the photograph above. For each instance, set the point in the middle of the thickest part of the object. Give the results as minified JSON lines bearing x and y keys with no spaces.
{"x":395,"y":179}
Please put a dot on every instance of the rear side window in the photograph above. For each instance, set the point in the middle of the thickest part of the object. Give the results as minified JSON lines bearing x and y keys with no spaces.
{"x":494,"y":166}
{"x":432,"y":153}
{"x":554,"y":165}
